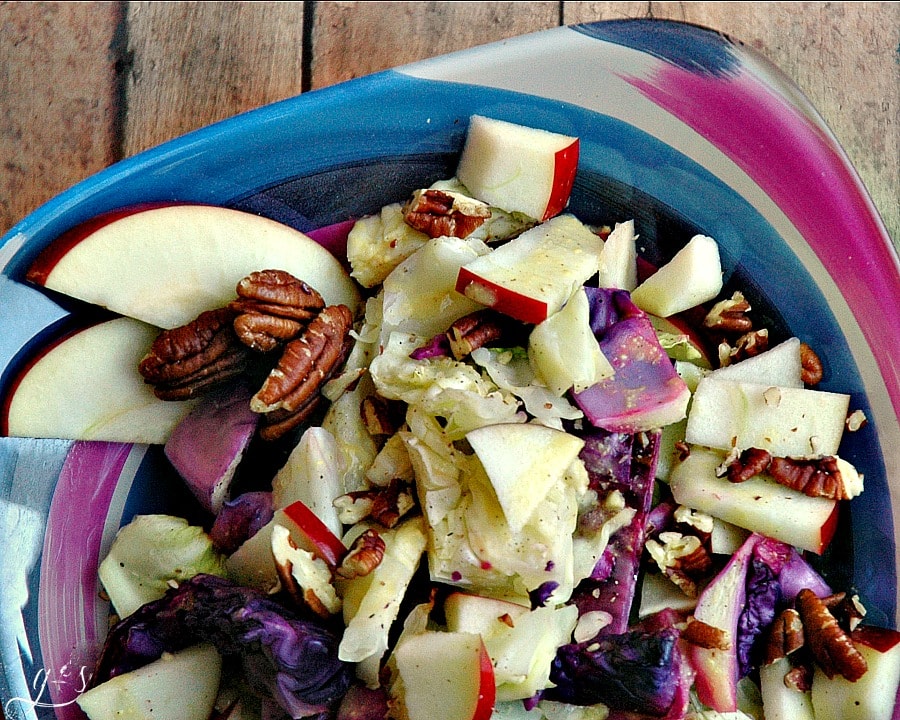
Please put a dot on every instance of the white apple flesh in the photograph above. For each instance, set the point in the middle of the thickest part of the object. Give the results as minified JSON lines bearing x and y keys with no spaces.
{"x":178,"y":686}
{"x":87,"y":387}
{"x":165,"y":265}
{"x":618,"y":260}
{"x":693,"y":276}
{"x":872,"y":697}
{"x":532,"y":276}
{"x":446,"y":675}
{"x":253,"y":563}
{"x":786,"y":421}
{"x":759,"y":504}
{"x":778,"y":366}
{"x":517,"y":168}
{"x":779,"y":701}
{"x":523,"y":461}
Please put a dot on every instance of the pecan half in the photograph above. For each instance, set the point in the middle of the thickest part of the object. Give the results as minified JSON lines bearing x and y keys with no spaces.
{"x":272,"y":308}
{"x":811,"y":365}
{"x":304,"y":366}
{"x":815,"y":477}
{"x":785,"y":636}
{"x":185,"y":361}
{"x":831,"y":647}
{"x":439,"y":212}
{"x":750,"y":462}
{"x":365,"y":554}
{"x":730,"y":315}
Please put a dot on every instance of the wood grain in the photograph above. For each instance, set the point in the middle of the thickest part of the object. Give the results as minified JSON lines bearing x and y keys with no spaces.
{"x":58,"y":93}
{"x":193,"y":63}
{"x":351,"y":39}
{"x":84,"y":84}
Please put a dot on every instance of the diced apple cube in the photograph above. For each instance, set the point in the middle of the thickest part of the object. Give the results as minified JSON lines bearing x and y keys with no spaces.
{"x":445,"y":675}
{"x":517,"y":168}
{"x":759,"y":504}
{"x":728,"y":414}
{"x":618,"y":260}
{"x":692,"y":277}
{"x":532,"y":276}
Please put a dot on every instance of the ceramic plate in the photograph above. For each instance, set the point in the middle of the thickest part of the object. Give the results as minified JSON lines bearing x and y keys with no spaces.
{"x":681,"y":129}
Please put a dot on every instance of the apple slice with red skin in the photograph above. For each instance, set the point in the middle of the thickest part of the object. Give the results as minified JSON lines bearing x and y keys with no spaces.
{"x":253,"y":563}
{"x":518,"y":168}
{"x":532,"y":276}
{"x":314,"y":534}
{"x":85,"y":386}
{"x":871,"y":697}
{"x":446,"y":675}
{"x":165,"y":264}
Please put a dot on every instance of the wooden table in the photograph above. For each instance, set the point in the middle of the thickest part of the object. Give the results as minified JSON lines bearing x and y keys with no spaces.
{"x":85,"y":84}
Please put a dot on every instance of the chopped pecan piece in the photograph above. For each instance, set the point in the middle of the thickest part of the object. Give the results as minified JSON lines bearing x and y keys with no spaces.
{"x":305,"y":577}
{"x":703,"y":635}
{"x":365,"y":554}
{"x":811,"y":365}
{"x":750,"y":462}
{"x":785,"y":636}
{"x":682,"y":558}
{"x":385,"y":505}
{"x":187,"y":360}
{"x":305,"y":365}
{"x":439,"y":213}
{"x":730,"y":316}
{"x":380,"y":415}
{"x":474,"y":331}
{"x":816,"y":477}
{"x":799,"y":678}
{"x":272,"y":308}
{"x":749,"y":345}
{"x":831,"y":647}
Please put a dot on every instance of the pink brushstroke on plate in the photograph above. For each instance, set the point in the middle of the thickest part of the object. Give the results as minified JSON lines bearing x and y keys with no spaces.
{"x":72,"y":618}
{"x":783,"y":151}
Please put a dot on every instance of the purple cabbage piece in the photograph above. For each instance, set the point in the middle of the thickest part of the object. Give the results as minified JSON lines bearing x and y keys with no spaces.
{"x":240,"y":519}
{"x":225,"y":422}
{"x":763,"y":599}
{"x":438,"y":346}
{"x":627,"y":463}
{"x":637,"y":671}
{"x":776,"y":574}
{"x":283,"y":657}
{"x":645,"y":392}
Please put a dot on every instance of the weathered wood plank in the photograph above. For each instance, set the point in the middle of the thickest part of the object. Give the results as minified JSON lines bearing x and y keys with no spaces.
{"x":57,"y":99}
{"x":841,"y":55}
{"x":195,"y":63}
{"x":351,"y":39}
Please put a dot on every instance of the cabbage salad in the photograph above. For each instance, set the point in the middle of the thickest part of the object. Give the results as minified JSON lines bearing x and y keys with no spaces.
{"x":546,"y":482}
